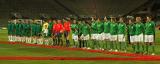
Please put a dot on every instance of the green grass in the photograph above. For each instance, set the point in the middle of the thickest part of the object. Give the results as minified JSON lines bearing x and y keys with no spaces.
{"x":3,"y":35}
{"x":19,"y":50}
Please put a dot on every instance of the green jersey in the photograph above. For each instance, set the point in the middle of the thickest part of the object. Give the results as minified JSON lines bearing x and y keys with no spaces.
{"x":131,"y":29}
{"x":80,"y":29}
{"x":106,"y":26}
{"x":150,"y":28}
{"x":33,"y":29}
{"x":17,"y":28}
{"x":74,"y":28}
{"x":85,"y":29}
{"x":28,"y":30}
{"x":9,"y":28}
{"x":93,"y":27}
{"x":12,"y":27}
{"x":38,"y":28}
{"x":139,"y":28}
{"x":23,"y":28}
{"x":113,"y":28}
{"x":99,"y":27}
{"x":121,"y":28}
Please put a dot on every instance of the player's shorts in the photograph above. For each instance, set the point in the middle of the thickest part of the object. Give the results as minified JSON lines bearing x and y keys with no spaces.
{"x":105,"y":36}
{"x":121,"y":38}
{"x":45,"y":31}
{"x":139,"y":38}
{"x":113,"y":38}
{"x":85,"y":37}
{"x":75,"y":37}
{"x":100,"y":36}
{"x":93,"y":36}
{"x":132,"y":39}
{"x":149,"y":38}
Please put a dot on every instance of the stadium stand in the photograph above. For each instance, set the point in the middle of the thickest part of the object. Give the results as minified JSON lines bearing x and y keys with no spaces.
{"x":35,"y":8}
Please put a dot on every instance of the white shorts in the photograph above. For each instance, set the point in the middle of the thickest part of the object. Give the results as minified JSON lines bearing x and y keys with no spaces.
{"x":105,"y":36}
{"x":132,"y":39}
{"x":121,"y":38}
{"x":45,"y":31}
{"x":149,"y":38}
{"x":113,"y":38}
{"x":139,"y":38}
{"x":93,"y":36}
{"x":75,"y":37}
{"x":97,"y":36}
{"x":86,"y":37}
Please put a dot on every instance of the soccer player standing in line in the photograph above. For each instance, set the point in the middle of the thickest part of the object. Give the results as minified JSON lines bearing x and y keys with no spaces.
{"x":9,"y":30}
{"x":59,"y":30}
{"x":93,"y":33}
{"x":106,"y":33}
{"x":113,"y":37}
{"x":54,"y":32}
{"x":139,"y":31}
{"x":149,"y":34}
{"x":67,"y":30}
{"x":38,"y":33}
{"x":45,"y":32}
{"x":122,"y":35}
{"x":99,"y":36}
{"x":80,"y":25}
{"x":85,"y":35}
{"x":50,"y":31}
{"x":74,"y":28}
{"x":131,"y":30}
{"x":33,"y":31}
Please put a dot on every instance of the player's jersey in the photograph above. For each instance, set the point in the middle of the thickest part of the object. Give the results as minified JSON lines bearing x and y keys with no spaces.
{"x":9,"y":28}
{"x":17,"y":29}
{"x":38,"y":29}
{"x":121,"y":28}
{"x":150,"y":28}
{"x":12,"y":27}
{"x":50,"y":25}
{"x":106,"y":27}
{"x":139,"y":28}
{"x":59,"y":27}
{"x":54,"y":28}
{"x":45,"y":26}
{"x":131,"y":29}
{"x":113,"y":28}
{"x":74,"y":28}
{"x":80,"y":28}
{"x":85,"y":29}
{"x":67,"y":26}
{"x":28,"y":30}
{"x":99,"y":27}
{"x":93,"y":27}
{"x":23,"y":29}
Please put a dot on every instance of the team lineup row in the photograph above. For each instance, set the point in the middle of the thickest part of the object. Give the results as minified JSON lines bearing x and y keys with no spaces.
{"x":94,"y":33}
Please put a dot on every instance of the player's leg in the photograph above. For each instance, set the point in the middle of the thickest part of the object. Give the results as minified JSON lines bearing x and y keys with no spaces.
{"x":142,"y":43}
{"x":152,"y":44}
{"x":115,"y":43}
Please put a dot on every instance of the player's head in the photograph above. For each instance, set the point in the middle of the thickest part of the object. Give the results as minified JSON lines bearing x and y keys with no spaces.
{"x":98,"y":19}
{"x":138,"y":19}
{"x":58,"y":21}
{"x":105,"y":18}
{"x":121,"y":19}
{"x":149,"y":18}
{"x":74,"y":21}
{"x":113,"y":19}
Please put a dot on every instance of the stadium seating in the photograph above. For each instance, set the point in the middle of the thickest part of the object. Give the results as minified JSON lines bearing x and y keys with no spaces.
{"x":34,"y":8}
